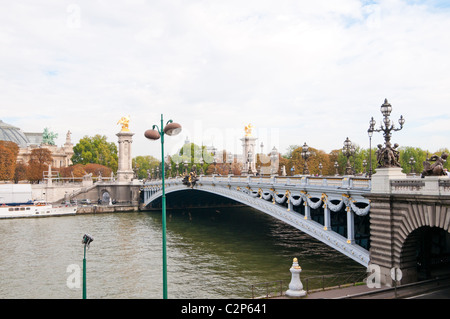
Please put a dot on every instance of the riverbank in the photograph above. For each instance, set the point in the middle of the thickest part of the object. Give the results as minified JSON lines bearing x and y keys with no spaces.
{"x":99,"y":209}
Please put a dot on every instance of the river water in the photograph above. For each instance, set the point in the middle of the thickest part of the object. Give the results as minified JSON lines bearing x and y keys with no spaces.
{"x":211,"y":254}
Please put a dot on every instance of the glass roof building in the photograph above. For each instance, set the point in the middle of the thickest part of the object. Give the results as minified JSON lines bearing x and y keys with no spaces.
{"x":29,"y":141}
{"x":13,"y":134}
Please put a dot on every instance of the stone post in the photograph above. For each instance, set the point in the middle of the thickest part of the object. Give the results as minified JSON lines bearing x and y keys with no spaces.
{"x":295,"y":286}
{"x":249,"y":144}
{"x":125,"y":171}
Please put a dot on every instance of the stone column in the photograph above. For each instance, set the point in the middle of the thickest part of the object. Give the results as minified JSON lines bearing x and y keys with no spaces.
{"x":295,"y":286}
{"x":125,"y":171}
{"x":249,"y":144}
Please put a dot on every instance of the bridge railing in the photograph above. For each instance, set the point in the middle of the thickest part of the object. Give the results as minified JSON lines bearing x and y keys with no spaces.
{"x":421,"y":186}
{"x":302,"y":181}
{"x":320,"y":181}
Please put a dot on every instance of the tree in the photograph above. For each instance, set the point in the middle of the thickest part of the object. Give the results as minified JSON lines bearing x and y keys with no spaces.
{"x":289,"y":151}
{"x":40,"y":159}
{"x":317,"y":157}
{"x":96,"y":150}
{"x":419,"y":156}
{"x":20,"y":172}
{"x":192,"y":154}
{"x":144,"y":164}
{"x":7,"y":163}
{"x":97,"y":170}
{"x":8,"y":159}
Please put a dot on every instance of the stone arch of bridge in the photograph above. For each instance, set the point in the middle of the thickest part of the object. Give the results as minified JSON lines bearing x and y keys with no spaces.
{"x":423,"y":241}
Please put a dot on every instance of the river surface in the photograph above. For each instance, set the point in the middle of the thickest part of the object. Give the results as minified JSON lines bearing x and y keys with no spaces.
{"x":211,"y":254}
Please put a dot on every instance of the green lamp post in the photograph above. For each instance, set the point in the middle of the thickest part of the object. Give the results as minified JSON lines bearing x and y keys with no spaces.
{"x":87,"y":239}
{"x":155,"y":133}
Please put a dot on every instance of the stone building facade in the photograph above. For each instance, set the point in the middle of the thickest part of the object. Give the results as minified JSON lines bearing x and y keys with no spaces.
{"x":62,"y":155}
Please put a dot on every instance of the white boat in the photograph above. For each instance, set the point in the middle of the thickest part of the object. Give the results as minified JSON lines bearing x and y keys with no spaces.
{"x":37,"y":209}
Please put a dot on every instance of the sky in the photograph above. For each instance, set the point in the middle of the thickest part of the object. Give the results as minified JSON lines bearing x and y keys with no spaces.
{"x":311,"y":72}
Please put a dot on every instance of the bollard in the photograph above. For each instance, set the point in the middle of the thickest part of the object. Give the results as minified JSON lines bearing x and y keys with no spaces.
{"x":295,"y":286}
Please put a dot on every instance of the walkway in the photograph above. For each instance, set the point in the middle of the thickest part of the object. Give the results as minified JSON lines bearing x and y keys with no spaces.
{"x":439,"y":288}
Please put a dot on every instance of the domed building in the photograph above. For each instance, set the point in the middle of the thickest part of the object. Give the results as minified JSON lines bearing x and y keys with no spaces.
{"x":13,"y":134}
{"x":62,"y":156}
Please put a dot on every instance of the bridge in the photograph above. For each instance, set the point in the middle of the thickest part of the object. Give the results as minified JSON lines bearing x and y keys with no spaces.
{"x":388,"y":222}
{"x":333,"y":210}
{"x":382,"y":221}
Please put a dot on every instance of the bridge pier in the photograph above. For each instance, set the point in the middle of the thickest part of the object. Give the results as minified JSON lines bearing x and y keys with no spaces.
{"x":403,"y":213}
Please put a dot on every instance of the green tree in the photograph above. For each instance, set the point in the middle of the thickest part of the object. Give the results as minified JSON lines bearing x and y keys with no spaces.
{"x":144,"y":164}
{"x":192,"y":154}
{"x":418,"y":155}
{"x":96,"y":150}
{"x":357,"y":161}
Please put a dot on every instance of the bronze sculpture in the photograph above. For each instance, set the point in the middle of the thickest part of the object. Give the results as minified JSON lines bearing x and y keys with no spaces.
{"x":437,"y":168}
{"x":190,"y":179}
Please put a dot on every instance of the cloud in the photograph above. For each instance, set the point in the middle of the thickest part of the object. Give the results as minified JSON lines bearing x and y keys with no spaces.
{"x":311,"y":71}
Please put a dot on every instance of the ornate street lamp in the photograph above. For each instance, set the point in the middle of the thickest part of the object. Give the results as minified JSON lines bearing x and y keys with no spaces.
{"x":336,"y":166}
{"x":185,"y":167}
{"x":370,"y":133}
{"x":177,"y":168}
{"x":411,"y":162}
{"x":250,"y":160}
{"x":170,"y":129}
{"x":348,"y":150}
{"x":230,"y":161}
{"x":201,"y":166}
{"x":320,"y":169}
{"x":305,"y":154}
{"x":364,"y":164}
{"x":387,"y":156}
{"x":273,"y":157}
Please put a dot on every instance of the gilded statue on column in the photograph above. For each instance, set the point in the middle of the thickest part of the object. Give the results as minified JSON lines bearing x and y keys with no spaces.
{"x":248,"y":130}
{"x":124,"y":121}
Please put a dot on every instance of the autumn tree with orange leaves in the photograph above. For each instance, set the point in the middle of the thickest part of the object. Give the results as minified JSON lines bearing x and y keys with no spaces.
{"x":8,"y":158}
{"x":40,"y":159}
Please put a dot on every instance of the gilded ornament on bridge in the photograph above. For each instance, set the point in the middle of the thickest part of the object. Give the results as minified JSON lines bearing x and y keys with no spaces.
{"x":248,"y":130}
{"x":190,"y":179}
{"x":124,"y":121}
